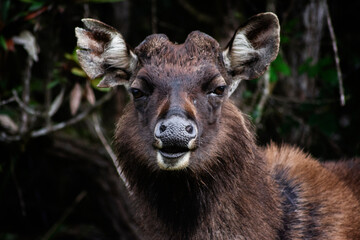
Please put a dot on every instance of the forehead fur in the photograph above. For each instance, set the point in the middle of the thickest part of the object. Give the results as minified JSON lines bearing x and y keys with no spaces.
{"x":198,"y":46}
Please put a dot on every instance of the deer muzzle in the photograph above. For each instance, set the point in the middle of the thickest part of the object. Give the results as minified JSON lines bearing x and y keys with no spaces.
{"x":174,"y":139}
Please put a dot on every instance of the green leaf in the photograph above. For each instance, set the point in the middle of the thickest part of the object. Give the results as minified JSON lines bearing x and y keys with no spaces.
{"x":279,"y":66}
{"x":35,"y":6}
{"x":53,"y":84}
{"x":69,"y":56}
{"x":72,"y":56}
{"x":273,"y":75}
{"x":5,"y":9}
{"x":330,"y":77}
{"x":325,"y":122}
{"x":247,"y":94}
{"x":256,"y":113}
{"x":94,"y":84}
{"x":78,"y":72}
{"x":3,"y":43}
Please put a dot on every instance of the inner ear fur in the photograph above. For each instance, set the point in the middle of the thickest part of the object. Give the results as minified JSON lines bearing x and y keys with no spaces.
{"x":103,"y":52}
{"x":253,"y":47}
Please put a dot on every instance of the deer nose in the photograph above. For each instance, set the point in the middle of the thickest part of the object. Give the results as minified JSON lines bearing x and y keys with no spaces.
{"x":176,"y":134}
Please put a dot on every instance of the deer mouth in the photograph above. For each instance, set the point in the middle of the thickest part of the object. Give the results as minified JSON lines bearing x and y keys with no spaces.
{"x":173,"y":157}
{"x":173,"y":152}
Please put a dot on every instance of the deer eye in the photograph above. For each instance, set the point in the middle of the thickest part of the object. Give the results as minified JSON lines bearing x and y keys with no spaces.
{"x":219,"y":91}
{"x":137,"y":93}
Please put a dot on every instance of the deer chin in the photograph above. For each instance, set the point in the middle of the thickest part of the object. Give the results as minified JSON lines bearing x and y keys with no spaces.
{"x":173,"y":161}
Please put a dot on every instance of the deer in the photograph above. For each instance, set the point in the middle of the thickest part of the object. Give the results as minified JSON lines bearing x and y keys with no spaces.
{"x":189,"y":155}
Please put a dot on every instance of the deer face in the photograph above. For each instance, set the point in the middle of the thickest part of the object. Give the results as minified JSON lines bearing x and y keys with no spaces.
{"x":178,"y":90}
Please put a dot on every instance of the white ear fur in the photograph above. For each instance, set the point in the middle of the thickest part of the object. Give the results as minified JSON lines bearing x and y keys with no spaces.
{"x":241,"y":51}
{"x":117,"y":55}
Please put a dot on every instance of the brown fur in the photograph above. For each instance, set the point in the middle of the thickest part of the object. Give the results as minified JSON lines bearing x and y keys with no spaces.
{"x":326,"y":206}
{"x":231,"y":188}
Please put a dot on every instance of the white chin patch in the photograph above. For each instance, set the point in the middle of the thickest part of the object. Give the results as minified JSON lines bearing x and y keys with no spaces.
{"x":173,"y":163}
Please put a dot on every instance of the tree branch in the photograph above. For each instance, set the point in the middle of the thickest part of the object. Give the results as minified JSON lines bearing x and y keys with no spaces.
{"x":49,"y":234}
{"x":77,"y":118}
{"x":107,"y":147}
{"x":24,"y":107}
{"x":264,"y":97}
{"x":46,"y":130}
{"x":7,"y":101}
{"x":26,"y":95}
{"x":336,"y":53}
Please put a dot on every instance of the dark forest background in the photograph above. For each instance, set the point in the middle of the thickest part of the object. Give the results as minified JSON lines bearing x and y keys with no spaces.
{"x":57,"y":176}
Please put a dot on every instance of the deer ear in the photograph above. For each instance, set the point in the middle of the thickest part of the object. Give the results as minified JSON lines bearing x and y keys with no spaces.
{"x":253,"y":47}
{"x":103,"y":53}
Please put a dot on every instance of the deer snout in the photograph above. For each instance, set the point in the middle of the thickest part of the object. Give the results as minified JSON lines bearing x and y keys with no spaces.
{"x":174,"y":138}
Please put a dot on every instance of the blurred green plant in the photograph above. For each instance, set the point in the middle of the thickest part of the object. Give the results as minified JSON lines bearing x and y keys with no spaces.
{"x":279,"y":67}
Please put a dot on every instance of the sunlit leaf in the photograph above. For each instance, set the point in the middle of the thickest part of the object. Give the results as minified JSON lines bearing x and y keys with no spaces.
{"x":57,"y":103}
{"x":69,"y":56}
{"x":7,"y":123}
{"x":78,"y":72}
{"x":28,"y":41}
{"x":89,"y":93}
{"x":94,"y":84}
{"x":72,"y":56}
{"x":75,"y":98}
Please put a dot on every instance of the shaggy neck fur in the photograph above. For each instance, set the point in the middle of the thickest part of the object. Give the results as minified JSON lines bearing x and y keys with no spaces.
{"x":221,"y":198}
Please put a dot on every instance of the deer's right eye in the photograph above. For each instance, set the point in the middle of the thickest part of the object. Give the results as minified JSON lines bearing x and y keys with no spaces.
{"x":137,"y":93}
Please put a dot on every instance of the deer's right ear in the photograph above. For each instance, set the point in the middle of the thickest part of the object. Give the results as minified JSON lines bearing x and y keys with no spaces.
{"x":254,"y":46}
{"x":103,"y":53}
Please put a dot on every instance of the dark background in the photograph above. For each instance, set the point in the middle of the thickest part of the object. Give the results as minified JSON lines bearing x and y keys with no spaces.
{"x":63,"y":184}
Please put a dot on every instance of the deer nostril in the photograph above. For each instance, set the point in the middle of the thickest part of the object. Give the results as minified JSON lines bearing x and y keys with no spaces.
{"x":162,"y":128}
{"x":189,"y":129}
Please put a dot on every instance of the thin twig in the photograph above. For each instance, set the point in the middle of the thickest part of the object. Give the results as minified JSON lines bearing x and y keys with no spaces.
{"x":26,"y":95}
{"x":7,"y":101}
{"x":55,"y":105}
{"x":108,"y":148}
{"x":65,"y":215}
{"x":200,"y":16}
{"x":24,"y":107}
{"x":77,"y":118}
{"x":47,"y":101}
{"x":18,"y":189}
{"x":336,"y":53}
{"x":154,"y":21}
{"x":264,"y":96}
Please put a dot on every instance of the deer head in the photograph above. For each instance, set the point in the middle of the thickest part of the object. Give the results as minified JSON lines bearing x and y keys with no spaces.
{"x":178,"y":90}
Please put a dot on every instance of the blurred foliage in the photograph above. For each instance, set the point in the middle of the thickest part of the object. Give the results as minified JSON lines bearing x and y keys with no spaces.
{"x":39,"y":181}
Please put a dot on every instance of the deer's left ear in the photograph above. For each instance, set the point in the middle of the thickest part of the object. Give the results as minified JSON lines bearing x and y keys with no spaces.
{"x":103,"y":52}
{"x":253,"y":47}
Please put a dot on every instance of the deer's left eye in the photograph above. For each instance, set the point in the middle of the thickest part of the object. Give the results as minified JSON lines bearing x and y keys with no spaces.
{"x":137,"y":93}
{"x":219,"y":91}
